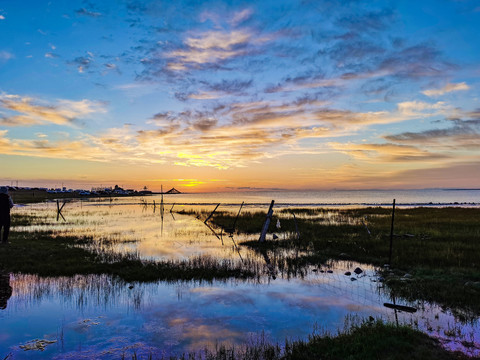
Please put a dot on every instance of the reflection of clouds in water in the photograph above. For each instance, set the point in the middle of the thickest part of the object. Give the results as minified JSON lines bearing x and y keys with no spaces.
{"x":224,"y":296}
{"x":195,"y":333}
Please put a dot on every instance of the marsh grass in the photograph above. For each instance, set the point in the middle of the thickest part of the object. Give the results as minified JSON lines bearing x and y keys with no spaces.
{"x":48,"y":254}
{"x":439,"y":247}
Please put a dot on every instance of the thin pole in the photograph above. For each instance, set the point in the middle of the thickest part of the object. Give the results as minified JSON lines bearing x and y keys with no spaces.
{"x":235,"y":222}
{"x":209,"y":216}
{"x":391,"y":235}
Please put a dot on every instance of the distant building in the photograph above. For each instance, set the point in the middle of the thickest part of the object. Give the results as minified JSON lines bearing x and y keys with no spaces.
{"x":173,"y":191}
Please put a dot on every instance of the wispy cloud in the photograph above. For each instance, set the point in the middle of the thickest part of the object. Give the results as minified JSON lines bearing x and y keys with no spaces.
{"x":450,"y":87}
{"x":214,"y":47}
{"x":5,"y":56}
{"x":387,"y":152}
{"x":85,"y":12}
{"x":26,"y":111}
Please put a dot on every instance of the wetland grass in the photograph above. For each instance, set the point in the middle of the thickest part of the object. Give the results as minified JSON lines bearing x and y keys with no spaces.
{"x":438,"y":247}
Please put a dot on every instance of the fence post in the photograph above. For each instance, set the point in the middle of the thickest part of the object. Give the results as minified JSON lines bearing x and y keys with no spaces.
{"x":267,"y":222}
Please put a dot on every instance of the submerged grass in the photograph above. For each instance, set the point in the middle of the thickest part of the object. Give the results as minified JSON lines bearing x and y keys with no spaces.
{"x":438,"y":247}
{"x":47,"y":254}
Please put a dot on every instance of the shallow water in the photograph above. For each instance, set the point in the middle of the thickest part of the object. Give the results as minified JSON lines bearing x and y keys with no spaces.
{"x":106,"y":317}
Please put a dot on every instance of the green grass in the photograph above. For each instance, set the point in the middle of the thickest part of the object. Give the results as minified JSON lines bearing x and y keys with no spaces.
{"x":440,"y":247}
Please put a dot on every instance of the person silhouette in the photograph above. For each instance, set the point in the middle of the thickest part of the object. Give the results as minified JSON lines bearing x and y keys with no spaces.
{"x":6,"y":204}
{"x":5,"y":289}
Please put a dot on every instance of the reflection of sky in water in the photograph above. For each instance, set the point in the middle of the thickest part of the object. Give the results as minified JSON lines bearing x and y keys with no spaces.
{"x":136,"y":229}
{"x":98,"y":315}
{"x":95,"y":314}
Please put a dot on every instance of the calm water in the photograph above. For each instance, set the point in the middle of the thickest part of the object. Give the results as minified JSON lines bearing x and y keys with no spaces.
{"x":100,"y":316}
{"x":336,"y":198}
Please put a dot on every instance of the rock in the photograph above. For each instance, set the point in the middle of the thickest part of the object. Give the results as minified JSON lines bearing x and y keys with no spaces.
{"x":358,"y":271}
{"x":130,"y":287}
{"x":408,"y":276}
{"x":322,"y":271}
{"x":348,"y":273}
{"x":330,"y":271}
{"x":353,"y":279}
{"x":314,"y":270}
{"x":275,"y":237}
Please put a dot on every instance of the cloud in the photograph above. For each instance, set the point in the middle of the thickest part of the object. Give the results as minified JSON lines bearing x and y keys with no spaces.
{"x":213,"y":47}
{"x":419,"y":108}
{"x":387,"y":152}
{"x":449,"y":87}
{"x":83,"y":62}
{"x":27,"y":111}
{"x":2,"y":17}
{"x":5,"y":56}
{"x":241,"y":16}
{"x":51,"y":55}
{"x":464,"y":134}
{"x":85,"y":12}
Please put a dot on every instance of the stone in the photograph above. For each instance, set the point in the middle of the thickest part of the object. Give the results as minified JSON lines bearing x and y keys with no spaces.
{"x":358,"y":271}
{"x":348,"y":273}
{"x":353,"y":279}
{"x":330,"y":271}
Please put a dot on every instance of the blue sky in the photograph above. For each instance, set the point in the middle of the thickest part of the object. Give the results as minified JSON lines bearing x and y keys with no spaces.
{"x":217,"y":95}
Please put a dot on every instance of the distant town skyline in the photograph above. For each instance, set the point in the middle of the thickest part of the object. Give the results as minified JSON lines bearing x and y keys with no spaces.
{"x":222,"y":96}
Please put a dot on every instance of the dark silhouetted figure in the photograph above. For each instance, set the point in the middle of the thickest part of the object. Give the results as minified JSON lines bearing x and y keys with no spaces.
{"x":6,"y":204}
{"x":5,"y":289}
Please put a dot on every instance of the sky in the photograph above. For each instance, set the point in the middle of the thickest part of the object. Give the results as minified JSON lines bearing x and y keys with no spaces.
{"x":239,"y":95}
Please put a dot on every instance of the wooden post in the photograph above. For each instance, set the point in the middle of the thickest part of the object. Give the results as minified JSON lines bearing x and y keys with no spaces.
{"x":391,"y":235}
{"x":235,"y":222}
{"x":161,"y":205}
{"x":171,"y":209}
{"x":296,"y":226}
{"x":59,"y":210}
{"x":209,"y":216}
{"x":266,"y":224}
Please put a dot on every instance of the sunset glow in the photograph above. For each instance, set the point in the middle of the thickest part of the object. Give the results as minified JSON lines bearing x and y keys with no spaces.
{"x":221,"y":96}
